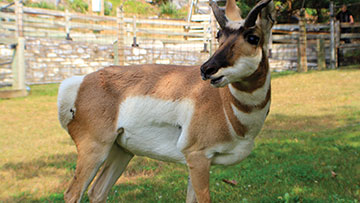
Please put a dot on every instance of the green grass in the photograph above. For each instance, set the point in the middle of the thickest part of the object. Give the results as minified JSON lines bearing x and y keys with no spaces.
{"x":313,"y":131}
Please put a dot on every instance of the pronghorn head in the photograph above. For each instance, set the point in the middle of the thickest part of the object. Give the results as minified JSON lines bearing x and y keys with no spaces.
{"x":242,"y":42}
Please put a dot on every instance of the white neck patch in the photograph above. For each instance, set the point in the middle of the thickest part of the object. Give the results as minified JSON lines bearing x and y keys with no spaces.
{"x":243,"y":67}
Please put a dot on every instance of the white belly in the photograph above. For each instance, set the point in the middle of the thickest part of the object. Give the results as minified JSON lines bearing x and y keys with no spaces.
{"x":230,"y":153}
{"x":155,"y":128}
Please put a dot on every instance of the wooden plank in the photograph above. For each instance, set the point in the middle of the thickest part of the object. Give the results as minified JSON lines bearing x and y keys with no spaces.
{"x":19,"y":18}
{"x":10,"y":16}
{"x":348,"y":25}
{"x":350,"y":45}
{"x":147,"y":31}
{"x":350,"y":35}
{"x":30,"y":19}
{"x":332,"y":38}
{"x":161,"y":22}
{"x":321,"y":54}
{"x":292,"y":27}
{"x":40,"y":11}
{"x":91,"y":26}
{"x":8,"y":40}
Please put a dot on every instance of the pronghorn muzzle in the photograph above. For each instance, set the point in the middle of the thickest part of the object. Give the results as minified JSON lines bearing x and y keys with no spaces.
{"x":209,"y":68}
{"x":216,"y":62}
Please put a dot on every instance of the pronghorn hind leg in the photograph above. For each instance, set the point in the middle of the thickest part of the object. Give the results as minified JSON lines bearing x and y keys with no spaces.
{"x":190,"y":194}
{"x":91,"y":155}
{"x":199,"y":169}
{"x":114,"y":166}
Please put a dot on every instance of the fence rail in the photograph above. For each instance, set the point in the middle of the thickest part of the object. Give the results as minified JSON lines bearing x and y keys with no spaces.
{"x":43,"y":23}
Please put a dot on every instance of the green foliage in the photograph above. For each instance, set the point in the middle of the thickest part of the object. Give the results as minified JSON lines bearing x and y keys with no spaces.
{"x":137,"y":7}
{"x":169,"y":9}
{"x":79,"y":6}
{"x":318,"y":8}
{"x":107,"y":9}
{"x":41,"y":4}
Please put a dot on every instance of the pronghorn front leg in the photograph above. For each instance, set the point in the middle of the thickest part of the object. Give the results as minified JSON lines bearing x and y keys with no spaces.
{"x":199,"y":169}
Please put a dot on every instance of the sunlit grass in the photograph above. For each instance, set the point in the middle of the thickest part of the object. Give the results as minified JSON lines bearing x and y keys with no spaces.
{"x":313,"y":130}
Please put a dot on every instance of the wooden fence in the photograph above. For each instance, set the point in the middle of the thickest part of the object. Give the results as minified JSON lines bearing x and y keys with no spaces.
{"x":63,"y":24}
{"x":320,"y":45}
{"x":323,"y":41}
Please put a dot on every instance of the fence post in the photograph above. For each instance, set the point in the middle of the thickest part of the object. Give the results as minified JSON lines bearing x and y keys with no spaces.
{"x":302,"y":44}
{"x":270,"y":44}
{"x":320,"y":48}
{"x":90,"y":7}
{"x":213,"y":33}
{"x":19,"y":18}
{"x":67,"y":24}
{"x":332,"y":37}
{"x":120,"y":36}
{"x":134,"y":32}
{"x":205,"y":38}
{"x":18,"y":65}
{"x":102,"y":7}
{"x":337,"y":43}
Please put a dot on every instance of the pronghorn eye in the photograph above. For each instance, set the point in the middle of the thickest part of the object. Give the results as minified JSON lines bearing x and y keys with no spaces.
{"x":253,"y":39}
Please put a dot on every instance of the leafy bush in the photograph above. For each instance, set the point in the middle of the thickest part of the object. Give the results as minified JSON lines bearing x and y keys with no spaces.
{"x":138,"y":7}
{"x":79,"y":6}
{"x":41,"y":4}
{"x":169,"y":9}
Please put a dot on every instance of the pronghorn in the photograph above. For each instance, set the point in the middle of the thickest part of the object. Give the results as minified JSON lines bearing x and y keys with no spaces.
{"x":172,"y":113}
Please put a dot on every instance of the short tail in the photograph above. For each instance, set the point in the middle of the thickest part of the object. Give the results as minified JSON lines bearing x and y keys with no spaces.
{"x":68,"y":91}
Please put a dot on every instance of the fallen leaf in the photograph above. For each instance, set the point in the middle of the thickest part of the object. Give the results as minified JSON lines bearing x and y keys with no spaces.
{"x":230,"y":182}
{"x":333,"y":174}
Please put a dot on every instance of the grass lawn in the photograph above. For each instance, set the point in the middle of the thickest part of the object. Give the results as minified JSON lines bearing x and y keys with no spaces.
{"x":308,"y":150}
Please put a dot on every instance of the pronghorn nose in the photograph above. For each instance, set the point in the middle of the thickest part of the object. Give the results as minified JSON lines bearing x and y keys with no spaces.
{"x":207,"y":71}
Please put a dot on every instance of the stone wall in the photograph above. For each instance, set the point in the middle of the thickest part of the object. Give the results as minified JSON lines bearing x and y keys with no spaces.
{"x":51,"y":60}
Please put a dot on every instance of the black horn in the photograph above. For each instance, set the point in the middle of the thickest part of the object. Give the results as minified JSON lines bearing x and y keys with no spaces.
{"x":219,"y":14}
{"x":253,"y":14}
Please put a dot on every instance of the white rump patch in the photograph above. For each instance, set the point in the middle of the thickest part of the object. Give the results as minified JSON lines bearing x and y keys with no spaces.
{"x":66,"y":99}
{"x":154,"y":127}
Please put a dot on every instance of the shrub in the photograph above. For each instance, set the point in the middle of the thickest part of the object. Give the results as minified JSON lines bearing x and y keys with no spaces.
{"x":169,"y":9}
{"x":79,"y":6}
{"x":41,"y":4}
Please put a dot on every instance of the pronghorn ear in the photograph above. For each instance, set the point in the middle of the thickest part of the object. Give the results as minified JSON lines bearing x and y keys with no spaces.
{"x":219,"y":14}
{"x":267,"y":17}
{"x":232,"y":11}
{"x":266,"y":20}
{"x":252,"y":17}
